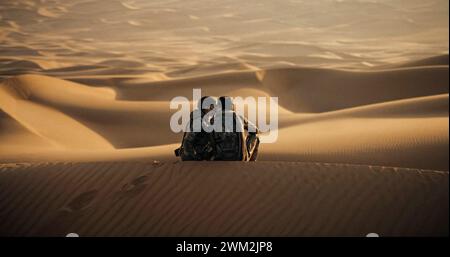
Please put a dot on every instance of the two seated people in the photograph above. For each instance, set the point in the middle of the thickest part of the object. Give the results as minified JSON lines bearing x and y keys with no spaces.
{"x":237,"y":140}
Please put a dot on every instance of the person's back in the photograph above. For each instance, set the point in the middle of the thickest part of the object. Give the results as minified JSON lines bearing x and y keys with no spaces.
{"x":230,"y":143}
{"x":197,"y":144}
{"x":234,"y":142}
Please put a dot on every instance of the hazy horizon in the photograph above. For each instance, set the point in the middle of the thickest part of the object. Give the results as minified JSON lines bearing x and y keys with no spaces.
{"x":167,"y":39}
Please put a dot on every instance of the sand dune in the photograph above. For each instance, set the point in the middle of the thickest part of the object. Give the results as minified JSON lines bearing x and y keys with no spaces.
{"x":396,"y":117}
{"x":85,"y":88}
{"x":180,"y":39}
{"x":432,"y":61}
{"x":408,"y":142}
{"x":221,"y":199}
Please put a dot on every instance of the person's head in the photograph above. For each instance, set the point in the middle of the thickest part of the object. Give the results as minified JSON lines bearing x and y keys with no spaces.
{"x":226,"y":103}
{"x":206,"y":104}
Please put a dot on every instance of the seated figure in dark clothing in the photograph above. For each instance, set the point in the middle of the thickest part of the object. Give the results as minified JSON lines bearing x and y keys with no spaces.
{"x":238,"y":140}
{"x":230,"y":140}
{"x":197,"y":144}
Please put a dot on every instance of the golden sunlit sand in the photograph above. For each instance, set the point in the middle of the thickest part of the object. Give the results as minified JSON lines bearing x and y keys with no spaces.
{"x":363,"y":135}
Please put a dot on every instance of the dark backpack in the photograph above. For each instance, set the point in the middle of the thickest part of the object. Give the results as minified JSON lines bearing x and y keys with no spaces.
{"x":197,"y":146}
{"x":230,"y":146}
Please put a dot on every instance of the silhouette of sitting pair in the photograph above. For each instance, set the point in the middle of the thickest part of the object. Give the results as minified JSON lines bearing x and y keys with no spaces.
{"x":236,"y":141}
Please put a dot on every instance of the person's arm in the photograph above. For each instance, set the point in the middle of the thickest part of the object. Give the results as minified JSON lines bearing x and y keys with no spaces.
{"x":188,"y":150}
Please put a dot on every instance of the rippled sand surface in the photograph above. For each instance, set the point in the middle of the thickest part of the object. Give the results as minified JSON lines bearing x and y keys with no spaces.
{"x":85,"y":88}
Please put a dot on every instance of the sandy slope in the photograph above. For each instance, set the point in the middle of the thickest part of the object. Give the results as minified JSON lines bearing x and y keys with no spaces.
{"x":396,"y":117}
{"x":224,"y":199}
{"x":87,"y":83}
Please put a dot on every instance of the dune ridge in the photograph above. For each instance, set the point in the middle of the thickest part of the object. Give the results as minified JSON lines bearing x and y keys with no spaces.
{"x":407,"y":109}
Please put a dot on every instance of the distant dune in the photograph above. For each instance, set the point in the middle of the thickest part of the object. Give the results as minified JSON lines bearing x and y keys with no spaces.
{"x":432,"y":61}
{"x":175,"y":39}
{"x":396,"y":117}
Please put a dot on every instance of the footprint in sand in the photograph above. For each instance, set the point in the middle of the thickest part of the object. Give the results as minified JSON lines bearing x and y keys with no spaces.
{"x":81,"y":201}
{"x":133,"y":188}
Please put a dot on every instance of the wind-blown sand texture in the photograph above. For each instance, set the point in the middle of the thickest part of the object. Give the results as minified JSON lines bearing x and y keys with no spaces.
{"x":222,"y":199}
{"x":85,"y":88}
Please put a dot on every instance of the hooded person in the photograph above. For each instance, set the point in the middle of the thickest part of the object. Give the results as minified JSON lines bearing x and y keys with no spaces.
{"x":198,"y":144}
{"x":235,"y":137}
{"x":200,"y":118}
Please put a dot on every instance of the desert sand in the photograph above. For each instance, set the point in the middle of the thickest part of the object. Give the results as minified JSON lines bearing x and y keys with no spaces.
{"x":363,"y":140}
{"x":221,"y":199}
